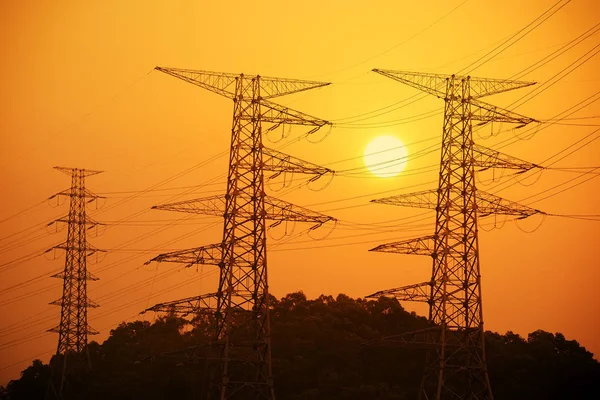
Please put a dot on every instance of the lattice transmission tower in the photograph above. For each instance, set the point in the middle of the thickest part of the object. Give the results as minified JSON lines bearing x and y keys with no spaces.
{"x":240,"y":306}
{"x":455,"y":366}
{"x":73,"y":329}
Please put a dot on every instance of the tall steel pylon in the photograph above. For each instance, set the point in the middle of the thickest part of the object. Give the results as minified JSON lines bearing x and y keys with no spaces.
{"x":73,"y":329}
{"x":242,"y":345}
{"x":455,"y":366}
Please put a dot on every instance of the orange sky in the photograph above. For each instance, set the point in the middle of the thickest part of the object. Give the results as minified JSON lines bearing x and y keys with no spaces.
{"x":79,"y":90}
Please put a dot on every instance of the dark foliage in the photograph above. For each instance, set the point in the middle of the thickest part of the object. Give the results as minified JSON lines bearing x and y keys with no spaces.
{"x":319,"y":352}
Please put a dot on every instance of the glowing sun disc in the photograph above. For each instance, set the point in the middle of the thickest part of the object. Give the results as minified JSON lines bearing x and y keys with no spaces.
{"x":385,"y":156}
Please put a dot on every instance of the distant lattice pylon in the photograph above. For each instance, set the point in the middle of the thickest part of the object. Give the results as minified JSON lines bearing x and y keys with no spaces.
{"x":455,"y":366}
{"x":73,"y":329}
{"x":241,"y":304}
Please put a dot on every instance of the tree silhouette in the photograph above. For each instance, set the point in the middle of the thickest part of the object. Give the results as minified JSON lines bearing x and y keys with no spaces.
{"x":319,"y":352}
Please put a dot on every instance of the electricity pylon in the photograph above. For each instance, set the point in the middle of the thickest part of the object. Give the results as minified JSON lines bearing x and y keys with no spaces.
{"x":73,"y":329}
{"x":241,"y":304}
{"x":455,"y":366}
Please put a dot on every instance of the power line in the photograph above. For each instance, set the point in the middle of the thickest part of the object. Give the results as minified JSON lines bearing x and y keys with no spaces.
{"x":548,"y":84}
{"x":515,"y":38}
{"x":568,"y":46}
{"x":21,"y":212}
{"x":504,"y":45}
{"x":400,"y":43}
{"x":99,"y":105}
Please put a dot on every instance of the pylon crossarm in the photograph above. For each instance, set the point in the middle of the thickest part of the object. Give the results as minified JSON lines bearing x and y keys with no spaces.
{"x":423,"y":246}
{"x":422,"y":338}
{"x":189,"y":305}
{"x":279,"y":115}
{"x":78,"y":171}
{"x":280,"y":210}
{"x":275,"y":87}
{"x":92,"y":196}
{"x":88,"y":303}
{"x":429,"y":83}
{"x":424,"y":199}
{"x":88,"y":276}
{"x":481,"y":87}
{"x":90,"y":222}
{"x":87,"y":194}
{"x":275,"y":209}
{"x":90,"y":330}
{"x":91,"y":277}
{"x":485,"y":158}
{"x":279,"y":162}
{"x":435,"y":84}
{"x":69,"y":247}
{"x":488,"y":204}
{"x":217,"y":82}
{"x":182,"y":355}
{"x":417,"y":292}
{"x":207,"y":255}
{"x":224,"y":83}
{"x":213,"y":205}
{"x":484,"y":112}
{"x":91,"y":303}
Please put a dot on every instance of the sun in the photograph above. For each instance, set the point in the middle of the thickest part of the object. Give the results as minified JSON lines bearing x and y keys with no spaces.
{"x":385,"y":156}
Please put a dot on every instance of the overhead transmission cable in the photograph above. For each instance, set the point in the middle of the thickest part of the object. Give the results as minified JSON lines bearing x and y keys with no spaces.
{"x":504,"y":45}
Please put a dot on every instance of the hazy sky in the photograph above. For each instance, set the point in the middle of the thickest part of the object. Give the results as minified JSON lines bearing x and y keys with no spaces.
{"x":79,"y":90}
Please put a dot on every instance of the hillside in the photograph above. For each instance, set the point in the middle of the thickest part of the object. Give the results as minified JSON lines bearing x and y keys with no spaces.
{"x":320,"y":351}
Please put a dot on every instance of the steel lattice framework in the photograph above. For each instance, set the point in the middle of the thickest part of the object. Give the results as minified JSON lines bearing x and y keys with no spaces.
{"x":73,"y":329}
{"x":455,"y":366}
{"x":240,"y":305}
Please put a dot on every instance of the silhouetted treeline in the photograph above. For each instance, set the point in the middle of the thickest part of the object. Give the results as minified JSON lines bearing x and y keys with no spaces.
{"x":319,"y":352}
